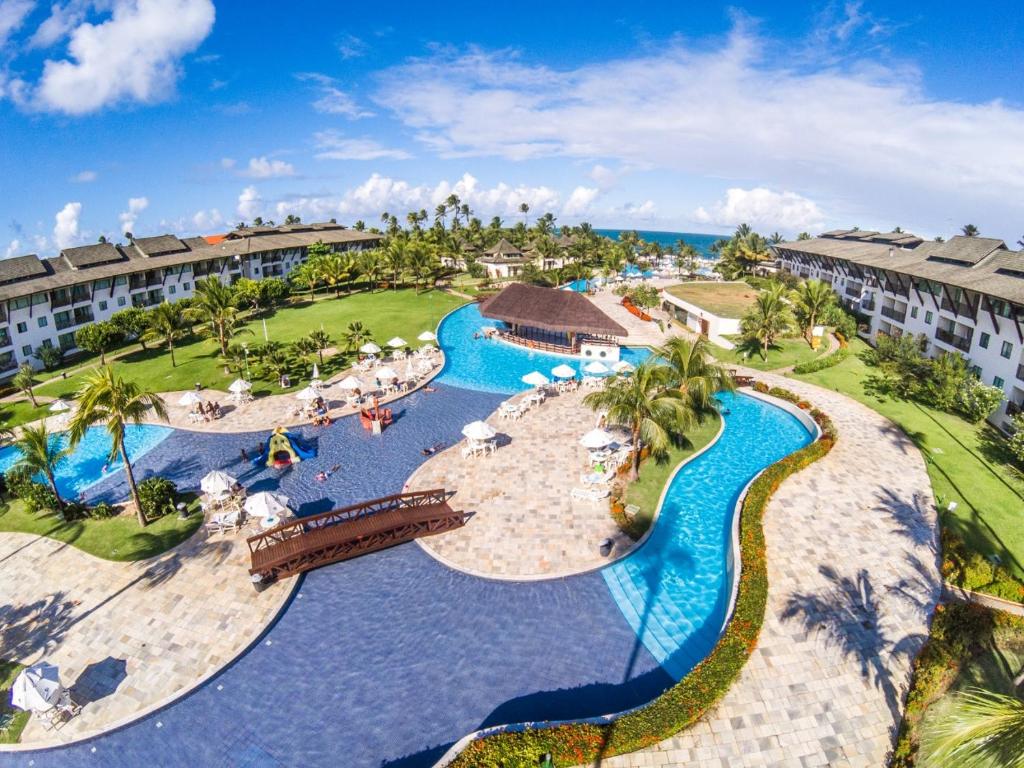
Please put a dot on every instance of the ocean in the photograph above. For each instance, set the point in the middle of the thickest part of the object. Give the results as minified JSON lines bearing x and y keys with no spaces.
{"x":668,"y":240}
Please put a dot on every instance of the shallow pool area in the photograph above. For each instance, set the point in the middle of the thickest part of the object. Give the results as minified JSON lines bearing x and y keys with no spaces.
{"x":84,"y":466}
{"x":491,"y":365}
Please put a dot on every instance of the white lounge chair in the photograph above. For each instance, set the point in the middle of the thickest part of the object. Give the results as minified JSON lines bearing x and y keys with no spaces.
{"x":591,"y":494}
{"x":225,"y":522}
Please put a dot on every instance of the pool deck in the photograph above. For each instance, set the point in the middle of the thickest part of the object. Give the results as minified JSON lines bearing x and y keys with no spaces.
{"x":641,"y":332}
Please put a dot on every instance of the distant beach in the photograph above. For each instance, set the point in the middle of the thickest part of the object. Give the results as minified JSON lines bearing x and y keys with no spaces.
{"x":668,"y":240}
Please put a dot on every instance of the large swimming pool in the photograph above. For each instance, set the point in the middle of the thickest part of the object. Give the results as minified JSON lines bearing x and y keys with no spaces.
{"x":84,"y":467}
{"x":491,"y":365}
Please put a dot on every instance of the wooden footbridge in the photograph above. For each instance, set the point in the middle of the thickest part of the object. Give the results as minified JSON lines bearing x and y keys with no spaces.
{"x":309,"y":542}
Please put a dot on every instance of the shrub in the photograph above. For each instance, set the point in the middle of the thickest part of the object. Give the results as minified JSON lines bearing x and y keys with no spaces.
{"x":50,"y":357}
{"x":157,"y":496}
{"x":37,"y":496}
{"x":784,"y":394}
{"x":102,"y":511}
{"x":1016,"y":441}
{"x":976,"y":400}
{"x":821,"y":363}
{"x":760,"y":386}
{"x":973,"y":571}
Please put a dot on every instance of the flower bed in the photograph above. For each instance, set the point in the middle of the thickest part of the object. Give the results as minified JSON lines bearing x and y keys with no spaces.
{"x":687,"y":701}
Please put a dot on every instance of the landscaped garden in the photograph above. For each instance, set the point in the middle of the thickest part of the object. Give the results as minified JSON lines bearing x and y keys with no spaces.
{"x":783,"y":353}
{"x":12,"y":720}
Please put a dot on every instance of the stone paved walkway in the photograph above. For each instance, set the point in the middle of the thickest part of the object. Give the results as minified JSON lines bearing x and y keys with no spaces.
{"x":641,"y":332}
{"x":852,"y":563}
{"x":525,"y":523}
{"x":127,"y":636}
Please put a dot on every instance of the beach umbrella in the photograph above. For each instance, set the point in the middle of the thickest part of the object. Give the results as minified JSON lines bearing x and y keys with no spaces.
{"x":350,"y":382}
{"x":216,"y":483}
{"x":478,"y":430}
{"x":623,"y":367}
{"x":427,"y":336}
{"x":59,"y":406}
{"x":239,"y":386}
{"x":189,"y":398}
{"x":308,"y":394}
{"x":563,"y":371}
{"x":369,"y":348}
{"x":267,"y":504}
{"x":597,"y":438}
{"x":535,"y":379}
{"x":386,"y":374}
{"x":37,"y":688}
{"x":397,"y":342}
{"x":316,"y":372}
{"x":596,"y":367}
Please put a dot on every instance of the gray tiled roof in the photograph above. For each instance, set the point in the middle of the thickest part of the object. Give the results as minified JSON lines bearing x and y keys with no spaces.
{"x":161,"y":245}
{"x":86,"y":256}
{"x":20,"y":268}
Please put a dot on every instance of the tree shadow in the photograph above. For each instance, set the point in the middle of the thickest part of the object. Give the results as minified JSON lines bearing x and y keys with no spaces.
{"x":37,"y":626}
{"x":910,"y":517}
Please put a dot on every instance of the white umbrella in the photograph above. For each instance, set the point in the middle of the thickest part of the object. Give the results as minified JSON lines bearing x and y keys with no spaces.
{"x":350,"y":382}
{"x":308,"y":394}
{"x":266,"y":504}
{"x":623,"y":367}
{"x":427,"y":336}
{"x":535,"y":379}
{"x":478,"y":430}
{"x":316,"y":372}
{"x":596,"y":367}
{"x":563,"y":371}
{"x":397,"y":342}
{"x":386,"y":374}
{"x":369,"y":348}
{"x":37,"y":688}
{"x":189,"y":398}
{"x":239,"y":385}
{"x":59,"y":406}
{"x":597,"y":438}
{"x":217,"y":482}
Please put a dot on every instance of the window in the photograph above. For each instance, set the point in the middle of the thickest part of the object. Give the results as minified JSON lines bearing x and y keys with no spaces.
{"x":186,"y":287}
{"x":172,"y":289}
{"x":120,"y":280}
{"x":983,"y":341}
{"x":975,"y":370}
{"x":121,"y":301}
{"x":913,"y":312}
{"x":1006,"y":350}
{"x":103,"y":306}
{"x":20,"y":302}
{"x":48,"y":343}
{"x":928,"y":317}
{"x":26,"y":350}
{"x":997,"y":382}
{"x":43,"y":322}
{"x":66,"y":341}
{"x":22,"y":327}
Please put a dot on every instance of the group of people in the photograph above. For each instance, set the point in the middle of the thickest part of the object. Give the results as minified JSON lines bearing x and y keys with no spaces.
{"x":208,"y":410}
{"x":320,"y":416}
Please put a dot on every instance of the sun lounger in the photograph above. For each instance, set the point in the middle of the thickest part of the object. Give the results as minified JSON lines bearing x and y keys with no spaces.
{"x":591,"y":494}
{"x":225,"y":522}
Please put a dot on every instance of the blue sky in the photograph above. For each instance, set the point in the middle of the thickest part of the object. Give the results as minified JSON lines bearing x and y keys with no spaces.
{"x":191,"y":115}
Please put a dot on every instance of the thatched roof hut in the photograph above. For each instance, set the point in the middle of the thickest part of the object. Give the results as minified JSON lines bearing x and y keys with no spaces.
{"x":550,"y":309}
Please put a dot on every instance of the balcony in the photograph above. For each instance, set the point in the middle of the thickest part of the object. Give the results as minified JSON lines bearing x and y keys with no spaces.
{"x":892,"y":313}
{"x":136,"y":282}
{"x":63,"y":321}
{"x":59,"y":300}
{"x":963,"y":343}
{"x":1020,"y":371}
{"x":1012,"y":408}
{"x":961,"y":308}
{"x":895,"y":290}
{"x":867,"y":305}
{"x":854,"y":290}
{"x":7,"y":362}
{"x":5,"y":339}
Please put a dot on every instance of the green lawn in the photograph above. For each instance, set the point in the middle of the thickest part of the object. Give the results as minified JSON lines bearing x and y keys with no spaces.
{"x":785,"y":353}
{"x":967,"y":463}
{"x":13,"y":721}
{"x":385,"y":313}
{"x":646,"y":492}
{"x":117,"y":538}
{"x":731,"y":299}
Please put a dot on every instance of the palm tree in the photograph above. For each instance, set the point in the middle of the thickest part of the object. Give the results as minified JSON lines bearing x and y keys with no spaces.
{"x":813,"y":299}
{"x":969,"y":230}
{"x":24,"y":380}
{"x":356,"y":336}
{"x":214,"y":302}
{"x":369,"y":266}
{"x":167,"y":321}
{"x":41,"y":454}
{"x":655,"y":415}
{"x":420,"y":264}
{"x":106,"y":397}
{"x":984,"y":728}
{"x":441,"y":213}
{"x":775,"y":238}
{"x":768,"y":319}
{"x":524,"y":209}
{"x":695,"y":373}
{"x":395,"y":257}
{"x":322,"y":341}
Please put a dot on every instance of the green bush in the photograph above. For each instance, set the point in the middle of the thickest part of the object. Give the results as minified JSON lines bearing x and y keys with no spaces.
{"x":973,"y":571}
{"x":1016,"y":441}
{"x":976,"y":400}
{"x":688,"y":700}
{"x":37,"y":496}
{"x":157,"y":496}
{"x":821,"y":363}
{"x":102,"y":511}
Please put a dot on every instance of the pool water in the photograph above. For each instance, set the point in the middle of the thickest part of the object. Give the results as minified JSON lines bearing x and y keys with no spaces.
{"x":84,"y":467}
{"x":581,"y":285}
{"x":675,"y":590}
{"x":490,"y":365}
{"x":632,"y":270}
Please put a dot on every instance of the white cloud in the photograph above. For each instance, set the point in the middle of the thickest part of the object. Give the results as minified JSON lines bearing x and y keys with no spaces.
{"x":332,"y":100}
{"x":60,"y":22}
{"x":764,"y":208}
{"x":136,"y":205}
{"x":249,"y":203}
{"x":645,"y":211}
{"x":333,"y":146}
{"x":866,"y":138}
{"x":12,"y":16}
{"x":207,"y":220}
{"x":580,"y":200}
{"x":264,"y":168}
{"x":65,"y":229}
{"x":13,"y":249}
{"x":352,"y":47}
{"x":84,"y":177}
{"x":134,"y":55}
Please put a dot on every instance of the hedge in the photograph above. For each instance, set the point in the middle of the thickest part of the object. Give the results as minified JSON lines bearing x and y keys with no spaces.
{"x":821,"y":363}
{"x":690,"y":698}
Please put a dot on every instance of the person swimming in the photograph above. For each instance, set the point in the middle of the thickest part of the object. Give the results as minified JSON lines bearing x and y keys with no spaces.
{"x":432,"y":450}
{"x":322,"y":475}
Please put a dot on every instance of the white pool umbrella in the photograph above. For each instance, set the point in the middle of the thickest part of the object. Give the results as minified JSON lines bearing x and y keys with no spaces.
{"x":316,"y":372}
{"x":623,"y":367}
{"x":350,"y":382}
{"x":37,"y":688}
{"x":309,"y":393}
{"x":59,"y":406}
{"x":427,"y":336}
{"x":597,"y":438}
{"x":239,"y":385}
{"x":369,"y":348}
{"x":535,"y":379}
{"x":563,"y":371}
{"x":189,"y":398}
{"x":397,"y":342}
{"x":478,"y":430}
{"x":217,"y":482}
{"x":596,"y":367}
{"x":386,"y":374}
{"x":267,"y":504}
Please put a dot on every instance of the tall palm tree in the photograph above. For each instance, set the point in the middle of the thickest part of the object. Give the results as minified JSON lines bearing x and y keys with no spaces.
{"x":813,"y":299}
{"x":768,"y":319}
{"x":356,"y":336}
{"x":655,"y":415}
{"x":214,"y":302}
{"x":395,"y":256}
{"x":41,"y":454}
{"x":420,"y":264}
{"x":24,"y":380}
{"x":983,"y":728}
{"x":167,"y":321}
{"x":322,"y":340}
{"x":441,"y":213}
{"x":524,"y":209}
{"x":969,"y":230}
{"x":695,"y":373}
{"x":369,"y":266}
{"x":107,"y":398}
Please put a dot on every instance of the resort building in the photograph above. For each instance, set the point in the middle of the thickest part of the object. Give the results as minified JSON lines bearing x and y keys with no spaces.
{"x":503,"y":260}
{"x":712,"y":309}
{"x":966,"y":296}
{"x":43,"y":301}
